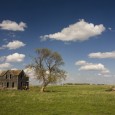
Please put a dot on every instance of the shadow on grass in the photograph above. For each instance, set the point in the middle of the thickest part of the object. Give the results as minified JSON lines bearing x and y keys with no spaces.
{"x":112,"y":89}
{"x":53,"y":91}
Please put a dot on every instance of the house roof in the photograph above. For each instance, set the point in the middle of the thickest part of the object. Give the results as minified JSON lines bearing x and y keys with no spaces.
{"x":14,"y":72}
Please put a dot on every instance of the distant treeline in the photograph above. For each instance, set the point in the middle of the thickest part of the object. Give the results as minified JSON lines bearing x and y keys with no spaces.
{"x":80,"y":84}
{"x":76,"y":84}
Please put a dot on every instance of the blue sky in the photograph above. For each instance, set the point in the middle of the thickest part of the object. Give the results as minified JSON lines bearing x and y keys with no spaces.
{"x":81,"y":31}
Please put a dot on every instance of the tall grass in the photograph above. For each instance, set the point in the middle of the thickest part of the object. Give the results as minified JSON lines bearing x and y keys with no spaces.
{"x":59,"y":100}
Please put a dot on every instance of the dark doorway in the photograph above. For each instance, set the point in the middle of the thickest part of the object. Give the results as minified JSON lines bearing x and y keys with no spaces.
{"x":7,"y":84}
{"x":2,"y":84}
{"x":21,"y":84}
{"x":10,"y":76}
{"x":6,"y":76}
{"x":12,"y":84}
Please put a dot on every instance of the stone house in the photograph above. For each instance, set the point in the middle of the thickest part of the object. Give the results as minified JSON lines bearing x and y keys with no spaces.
{"x":14,"y":79}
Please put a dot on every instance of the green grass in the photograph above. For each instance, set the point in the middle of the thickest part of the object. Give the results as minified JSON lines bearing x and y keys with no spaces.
{"x":60,"y":100}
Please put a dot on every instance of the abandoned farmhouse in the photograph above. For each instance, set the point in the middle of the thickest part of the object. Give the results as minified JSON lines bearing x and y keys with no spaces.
{"x":14,"y":79}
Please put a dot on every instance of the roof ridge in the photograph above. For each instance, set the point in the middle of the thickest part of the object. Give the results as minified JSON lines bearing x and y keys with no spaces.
{"x":15,"y":72}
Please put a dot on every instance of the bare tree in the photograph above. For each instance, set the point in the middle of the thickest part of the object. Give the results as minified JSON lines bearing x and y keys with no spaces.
{"x":47,"y":66}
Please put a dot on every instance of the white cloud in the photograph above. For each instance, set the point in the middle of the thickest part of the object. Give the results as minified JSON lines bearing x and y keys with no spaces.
{"x":7,"y":60}
{"x":14,"y":69}
{"x":80,"y":31}
{"x":102,"y":55}
{"x":16,"y":57}
{"x":106,"y":75}
{"x":5,"y":65}
{"x":47,"y":72}
{"x":110,"y":28}
{"x":13,"y":45}
{"x":30,"y":72}
{"x":105,"y":71}
{"x":92,"y":67}
{"x":80,"y":62}
{"x":13,"y":26}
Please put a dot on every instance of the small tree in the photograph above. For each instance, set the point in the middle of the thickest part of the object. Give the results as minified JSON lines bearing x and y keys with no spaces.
{"x":47,"y":67}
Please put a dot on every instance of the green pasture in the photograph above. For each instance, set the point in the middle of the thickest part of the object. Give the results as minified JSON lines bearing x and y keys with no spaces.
{"x":59,"y":100}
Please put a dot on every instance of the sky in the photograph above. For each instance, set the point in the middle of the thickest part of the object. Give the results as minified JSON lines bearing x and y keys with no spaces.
{"x":82,"y":31}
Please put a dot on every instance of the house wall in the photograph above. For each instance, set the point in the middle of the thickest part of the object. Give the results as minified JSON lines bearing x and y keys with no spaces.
{"x":8,"y":81}
{"x":20,"y":81}
{"x":23,"y":81}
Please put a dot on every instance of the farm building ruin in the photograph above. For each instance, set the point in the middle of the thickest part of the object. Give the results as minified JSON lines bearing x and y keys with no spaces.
{"x":14,"y":79}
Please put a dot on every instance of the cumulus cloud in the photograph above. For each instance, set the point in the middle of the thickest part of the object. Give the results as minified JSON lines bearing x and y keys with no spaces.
{"x":30,"y":72}
{"x":13,"y":45}
{"x":102,"y":55}
{"x":16,"y":57}
{"x":12,"y":25}
{"x":5,"y":61}
{"x":14,"y":69}
{"x":5,"y":66}
{"x":106,"y":75}
{"x":92,"y":67}
{"x":110,"y":28}
{"x":80,"y":62}
{"x":80,"y":31}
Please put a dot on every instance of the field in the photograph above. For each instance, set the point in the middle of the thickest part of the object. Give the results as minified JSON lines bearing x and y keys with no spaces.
{"x":59,"y":100}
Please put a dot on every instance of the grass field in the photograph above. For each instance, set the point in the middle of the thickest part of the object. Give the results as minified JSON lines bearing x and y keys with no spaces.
{"x":60,"y":100}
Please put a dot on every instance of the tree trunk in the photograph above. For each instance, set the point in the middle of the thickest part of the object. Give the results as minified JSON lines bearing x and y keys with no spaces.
{"x":44,"y":85}
{"x":42,"y":89}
